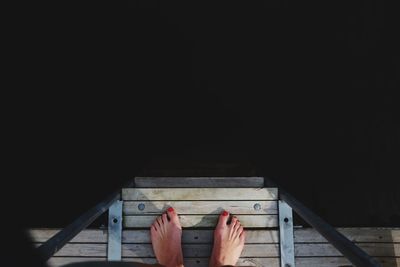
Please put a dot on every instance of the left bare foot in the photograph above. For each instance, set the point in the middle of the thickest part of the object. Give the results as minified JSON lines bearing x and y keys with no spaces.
{"x":166,"y":235}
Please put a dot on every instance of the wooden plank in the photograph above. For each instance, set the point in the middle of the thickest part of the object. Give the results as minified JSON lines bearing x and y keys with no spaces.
{"x":146,"y":250}
{"x":61,"y":261}
{"x":202,"y":236}
{"x":327,"y":250}
{"x":83,"y":250}
{"x":196,"y":236}
{"x":248,"y":221}
{"x":310,"y":235}
{"x":139,"y":194}
{"x":226,"y":182}
{"x":340,"y":261}
{"x":204,"y":262}
{"x":201,"y":250}
{"x":197,"y":262}
{"x":306,"y":235}
{"x":85,"y":236}
{"x":201,"y":207}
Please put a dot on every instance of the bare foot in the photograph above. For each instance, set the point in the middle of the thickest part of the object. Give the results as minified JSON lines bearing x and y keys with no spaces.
{"x":166,"y":235}
{"x":228,"y":241}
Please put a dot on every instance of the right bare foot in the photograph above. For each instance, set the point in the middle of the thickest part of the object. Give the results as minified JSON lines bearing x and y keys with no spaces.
{"x":228,"y":241}
{"x":166,"y":235}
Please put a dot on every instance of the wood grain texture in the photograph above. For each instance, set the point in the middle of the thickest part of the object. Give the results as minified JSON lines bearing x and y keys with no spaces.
{"x":225,"y":182}
{"x":390,"y":235}
{"x":197,"y":236}
{"x":201,"y":207}
{"x":327,"y":250}
{"x":202,"y":236}
{"x":251,"y":250}
{"x":146,"y":250}
{"x":248,"y":221}
{"x":85,"y":236}
{"x":340,"y":261}
{"x":140,"y":194}
{"x":267,"y":262}
{"x":306,"y":235}
{"x":202,"y":250}
{"x":189,"y":262}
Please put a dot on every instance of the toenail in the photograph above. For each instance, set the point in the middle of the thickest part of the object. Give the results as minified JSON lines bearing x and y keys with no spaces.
{"x":170,"y":209}
{"x":225,"y":213}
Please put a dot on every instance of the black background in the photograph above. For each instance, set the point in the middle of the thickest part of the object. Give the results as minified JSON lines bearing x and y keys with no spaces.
{"x":301,"y":93}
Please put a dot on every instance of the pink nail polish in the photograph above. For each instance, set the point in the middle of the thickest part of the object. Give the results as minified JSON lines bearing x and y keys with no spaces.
{"x":170,"y":209}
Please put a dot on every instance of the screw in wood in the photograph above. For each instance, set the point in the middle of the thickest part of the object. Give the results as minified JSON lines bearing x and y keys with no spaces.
{"x":141,"y":206}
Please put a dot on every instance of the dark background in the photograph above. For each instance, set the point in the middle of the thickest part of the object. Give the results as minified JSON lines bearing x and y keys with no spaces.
{"x":301,"y":93}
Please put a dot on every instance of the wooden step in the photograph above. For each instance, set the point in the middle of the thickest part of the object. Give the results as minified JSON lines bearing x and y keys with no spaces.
{"x":312,"y":250}
{"x":200,"y":207}
{"x":199,"y":182}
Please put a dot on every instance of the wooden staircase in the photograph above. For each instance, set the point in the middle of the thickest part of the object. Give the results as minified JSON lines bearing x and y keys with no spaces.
{"x":271,"y":239}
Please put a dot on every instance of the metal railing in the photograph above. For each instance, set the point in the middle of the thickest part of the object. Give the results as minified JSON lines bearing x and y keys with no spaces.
{"x":352,"y":252}
{"x":55,"y":243}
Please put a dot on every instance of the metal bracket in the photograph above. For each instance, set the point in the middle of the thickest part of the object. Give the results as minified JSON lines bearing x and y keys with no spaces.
{"x":114,"y":231}
{"x":286,"y":234}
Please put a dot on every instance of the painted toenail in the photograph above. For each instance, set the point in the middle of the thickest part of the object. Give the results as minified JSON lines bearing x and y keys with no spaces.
{"x":170,"y":209}
{"x":225,"y":213}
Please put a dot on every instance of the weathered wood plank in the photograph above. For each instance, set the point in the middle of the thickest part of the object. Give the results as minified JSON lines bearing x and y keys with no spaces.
{"x":60,"y":261}
{"x":201,"y":250}
{"x":270,"y":262}
{"x":146,"y":250}
{"x":200,"y":207}
{"x":251,"y":250}
{"x":204,"y":262}
{"x":327,"y":250}
{"x":226,"y":182}
{"x":310,"y":235}
{"x":202,"y":236}
{"x":139,"y":194}
{"x":340,"y":261}
{"x":197,"y":262}
{"x":306,"y":235}
{"x":80,"y":250}
{"x":248,"y":221}
{"x":85,"y":236}
{"x":196,"y":236}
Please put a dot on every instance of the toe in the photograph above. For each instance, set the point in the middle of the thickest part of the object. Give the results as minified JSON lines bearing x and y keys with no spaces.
{"x":153,"y":229}
{"x":237,"y":225}
{"x":242,"y":237}
{"x":223,"y":219}
{"x":233,"y":222}
{"x":164,"y":218}
{"x":238,"y":230}
{"x":159,"y":221}
{"x":172,"y":215}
